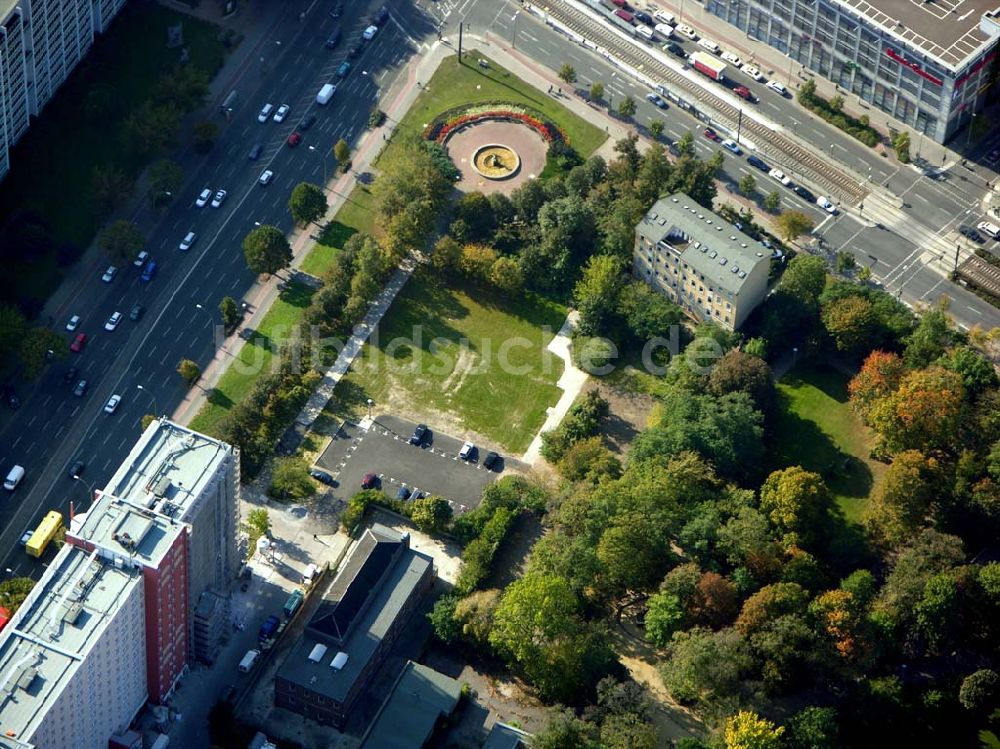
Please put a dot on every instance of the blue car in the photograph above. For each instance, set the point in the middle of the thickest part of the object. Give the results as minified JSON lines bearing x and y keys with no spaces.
{"x":758,"y":162}
{"x":149,"y":271}
{"x":344,"y":69}
{"x":404,"y":492}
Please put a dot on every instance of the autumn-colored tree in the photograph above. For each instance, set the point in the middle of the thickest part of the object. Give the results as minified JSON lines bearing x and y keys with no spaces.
{"x":878,"y":377}
{"x":852,"y":323}
{"x":739,"y":371}
{"x":475,"y":613}
{"x":747,"y":730}
{"x":796,"y":502}
{"x":715,"y":601}
{"x":902,"y":500}
{"x":923,"y":414}
{"x":768,"y":604}
{"x":476,"y":261}
{"x":839,"y":616}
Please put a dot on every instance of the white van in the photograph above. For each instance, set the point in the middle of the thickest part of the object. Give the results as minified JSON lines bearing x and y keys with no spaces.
{"x":663,"y":29}
{"x":248,"y":661}
{"x":709,"y":45}
{"x":989,"y":229}
{"x":663,"y":17}
{"x":310,"y":574}
{"x":644,"y":32}
{"x":325,"y":94}
{"x":14,"y":477}
{"x":733,"y":58}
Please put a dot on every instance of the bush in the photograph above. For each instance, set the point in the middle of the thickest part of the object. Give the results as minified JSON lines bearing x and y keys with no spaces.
{"x":290,"y":479}
{"x":580,"y":422}
{"x":477,"y":559}
{"x":442,"y":161}
{"x":830,"y":111}
{"x":511,"y":492}
{"x":592,"y":354}
{"x":357,"y":505}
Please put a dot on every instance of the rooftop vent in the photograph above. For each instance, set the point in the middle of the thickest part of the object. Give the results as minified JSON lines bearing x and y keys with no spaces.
{"x":743,"y":274}
{"x":317,"y":653}
{"x":760,"y":254}
{"x":697,"y":245}
{"x":704,"y":248}
{"x":161,"y":487}
{"x":734,"y":269}
{"x":662,"y":222}
{"x":718,"y":228}
{"x":743,"y":245}
{"x":674,"y":200}
{"x":723,"y":261}
{"x":339,"y":661}
{"x":713,"y":254}
{"x":652,"y":216}
{"x":732,"y":237}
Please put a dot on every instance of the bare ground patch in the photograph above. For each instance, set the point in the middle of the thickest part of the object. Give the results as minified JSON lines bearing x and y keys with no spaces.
{"x":627,"y":414}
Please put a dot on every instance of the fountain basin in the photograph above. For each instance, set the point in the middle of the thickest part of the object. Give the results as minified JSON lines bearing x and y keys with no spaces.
{"x":496,"y":161}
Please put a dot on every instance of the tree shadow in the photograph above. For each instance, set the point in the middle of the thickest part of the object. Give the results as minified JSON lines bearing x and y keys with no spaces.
{"x":297,"y":294}
{"x":335,"y":234}
{"x":218,"y":398}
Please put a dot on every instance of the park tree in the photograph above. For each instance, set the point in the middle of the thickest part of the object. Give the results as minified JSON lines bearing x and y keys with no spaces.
{"x":814,"y":728}
{"x":34,"y":348}
{"x":901,"y":144}
{"x":793,"y":224}
{"x":151,"y":128}
{"x":769,"y":603}
{"x":715,"y":601}
{"x":786,"y":648}
{"x":747,"y":730}
{"x":186,"y":87}
{"x":596,"y":293}
{"x":477,"y":261}
{"x":567,"y":73}
{"x":634,"y":554}
{"x":798,"y":503}
{"x":442,"y":617}
{"x":290,"y":479}
{"x":12,"y":329}
{"x":665,"y":615}
{"x":937,"y":612}
{"x":685,"y":144}
{"x":852,"y":324}
{"x":923,"y":414}
{"x":109,"y":188}
{"x":230,"y":312}
{"x":596,"y":91}
{"x":930,"y":339}
{"x":506,"y":274}
{"x":342,"y":153}
{"x":703,"y":665}
{"x":738,"y":371}
{"x":307,"y":203}
{"x":165,"y":179}
{"x":257,"y":524}
{"x":747,"y":185}
{"x":121,"y":240}
{"x":628,"y":731}
{"x":266,"y":250}
{"x":646,"y":313}
{"x":589,"y":460}
{"x":840,"y":617}
{"x":979,"y":690}
{"x":977,"y":372}
{"x":878,"y":377}
{"x":653,"y":173}
{"x":431,"y":514}
{"x":901,"y":501}
{"x":475,"y":614}
{"x":772,"y":201}
{"x":805,"y":278}
{"x":473,"y":219}
{"x":656,"y":128}
{"x":565,"y":731}
{"x":447,"y":254}
{"x":189,"y":371}
{"x":204,"y":134}
{"x":627,"y":107}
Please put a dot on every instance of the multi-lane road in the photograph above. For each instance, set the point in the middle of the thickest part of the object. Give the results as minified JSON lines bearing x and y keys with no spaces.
{"x":53,"y":428}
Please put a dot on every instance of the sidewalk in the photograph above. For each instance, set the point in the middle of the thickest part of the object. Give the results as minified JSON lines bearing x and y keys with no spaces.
{"x":254,"y":23}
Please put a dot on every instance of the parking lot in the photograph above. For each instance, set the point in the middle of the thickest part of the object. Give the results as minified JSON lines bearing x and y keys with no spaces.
{"x":433,"y":468}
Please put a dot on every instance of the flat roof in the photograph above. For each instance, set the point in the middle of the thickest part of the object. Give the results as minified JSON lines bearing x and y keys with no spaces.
{"x":127,"y":530}
{"x":52,"y":633}
{"x":708,"y":243}
{"x":381,"y":610}
{"x":409,"y":713}
{"x":946,"y":30}
{"x":503,"y":736}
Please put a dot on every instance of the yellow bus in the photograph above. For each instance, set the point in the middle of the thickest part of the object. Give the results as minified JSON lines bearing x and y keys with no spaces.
{"x":48,"y":529}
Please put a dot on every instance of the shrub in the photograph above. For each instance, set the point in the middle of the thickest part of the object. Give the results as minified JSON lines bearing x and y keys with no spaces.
{"x":478,"y":555}
{"x":580,"y":422}
{"x":290,"y":479}
{"x":442,"y":161}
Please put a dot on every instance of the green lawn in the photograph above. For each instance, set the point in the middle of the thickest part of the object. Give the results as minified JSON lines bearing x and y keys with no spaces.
{"x":462,"y":374}
{"x":57,"y":155}
{"x":454,"y":85}
{"x":815,"y":428}
{"x":255,"y":357}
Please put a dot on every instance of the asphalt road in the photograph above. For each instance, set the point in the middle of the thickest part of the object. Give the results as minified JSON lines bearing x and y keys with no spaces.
{"x":53,"y":428}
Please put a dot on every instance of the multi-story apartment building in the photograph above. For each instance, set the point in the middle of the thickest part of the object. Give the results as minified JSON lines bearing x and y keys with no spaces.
{"x":700,"y":261}
{"x":41,"y":41}
{"x":929,"y":65}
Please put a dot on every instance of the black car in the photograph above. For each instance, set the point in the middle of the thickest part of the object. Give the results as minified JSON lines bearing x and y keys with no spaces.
{"x":657,"y":101}
{"x":354,"y":50}
{"x":758,"y":162}
{"x":76,"y":470}
{"x":404,"y":492}
{"x":420,"y":434}
{"x":804,"y":193}
{"x":970,"y":232}
{"x":643,"y":17}
{"x":137,"y":312}
{"x":323,"y":477}
{"x":11,"y":397}
{"x":491,"y":460}
{"x":70,"y":375}
{"x":255,"y":152}
{"x":380,"y":17}
{"x":333,"y":40}
{"x":338,"y":10}
{"x":676,"y":50}
{"x":307,"y":122}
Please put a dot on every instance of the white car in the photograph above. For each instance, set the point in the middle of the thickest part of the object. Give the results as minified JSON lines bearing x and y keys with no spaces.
{"x":112,"y":323}
{"x":188,"y":241}
{"x":991,"y":230}
{"x":265,"y":176}
{"x":265,"y":112}
{"x":203,"y":197}
{"x":687,"y":31}
{"x":369,"y":33}
{"x":824,"y":203}
{"x":752,"y":71}
{"x":220,"y":196}
{"x":109,"y":274}
{"x":780,"y":176}
{"x":112,"y":404}
{"x":140,"y":259}
{"x":778,"y":88}
{"x":732,"y":57}
{"x":282,"y":113}
{"x":73,"y":324}
{"x":466,"y":452}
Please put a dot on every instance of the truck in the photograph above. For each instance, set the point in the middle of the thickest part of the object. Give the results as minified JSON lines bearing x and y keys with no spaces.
{"x":325,"y":94}
{"x":268,"y":628}
{"x":48,"y":529}
{"x":293,"y":603}
{"x":708,"y":65}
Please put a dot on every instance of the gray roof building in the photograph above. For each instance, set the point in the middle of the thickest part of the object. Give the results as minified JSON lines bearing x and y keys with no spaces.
{"x":406,"y":720}
{"x":368,"y":603}
{"x":503,"y":736}
{"x":707,"y":266}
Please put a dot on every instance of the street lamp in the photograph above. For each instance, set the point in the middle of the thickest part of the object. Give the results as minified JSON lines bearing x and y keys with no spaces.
{"x":513,"y":39}
{"x":370,"y":404}
{"x":211,"y":320}
{"x":90,"y":487}
{"x":313,"y":148}
{"x":151,"y":397}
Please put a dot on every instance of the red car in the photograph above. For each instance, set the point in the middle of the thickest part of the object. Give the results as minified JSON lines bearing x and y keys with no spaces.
{"x":78,"y":343}
{"x":711,"y":134}
{"x":294,"y":139}
{"x":370,"y":481}
{"x":744,"y":93}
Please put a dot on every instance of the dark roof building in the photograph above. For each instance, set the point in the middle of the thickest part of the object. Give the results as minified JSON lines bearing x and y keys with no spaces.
{"x":503,"y":736}
{"x":354,"y":627}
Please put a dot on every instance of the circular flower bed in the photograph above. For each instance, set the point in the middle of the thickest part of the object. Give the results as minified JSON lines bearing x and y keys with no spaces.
{"x":444,"y":126}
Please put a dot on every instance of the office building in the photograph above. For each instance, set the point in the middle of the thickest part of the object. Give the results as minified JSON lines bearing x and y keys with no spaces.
{"x":352,"y":630}
{"x":41,"y":42}
{"x":701,"y":262}
{"x":928,"y":65}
